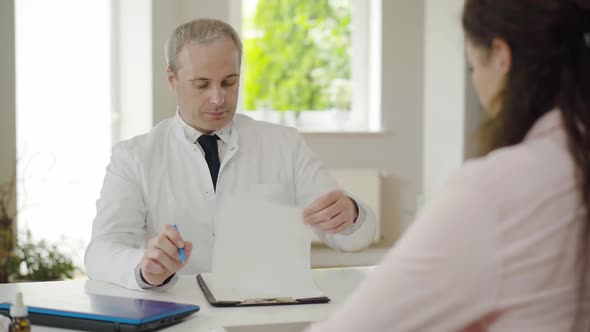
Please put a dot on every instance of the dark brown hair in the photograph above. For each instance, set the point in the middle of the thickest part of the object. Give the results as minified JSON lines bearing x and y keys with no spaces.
{"x":550,"y":44}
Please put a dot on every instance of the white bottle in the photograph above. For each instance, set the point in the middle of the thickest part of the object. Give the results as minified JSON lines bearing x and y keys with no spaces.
{"x":18,"y":314}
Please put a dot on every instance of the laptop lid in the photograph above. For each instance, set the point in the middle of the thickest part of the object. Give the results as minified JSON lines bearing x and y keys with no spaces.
{"x":108,"y":313}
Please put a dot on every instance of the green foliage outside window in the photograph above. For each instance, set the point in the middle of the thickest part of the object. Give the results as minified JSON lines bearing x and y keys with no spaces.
{"x":297,"y":55}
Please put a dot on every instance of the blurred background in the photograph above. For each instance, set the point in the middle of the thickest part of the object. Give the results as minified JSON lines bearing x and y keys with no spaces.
{"x":379,"y":89}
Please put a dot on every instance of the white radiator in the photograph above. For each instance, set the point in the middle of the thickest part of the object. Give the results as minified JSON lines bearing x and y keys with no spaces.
{"x":365,"y":185}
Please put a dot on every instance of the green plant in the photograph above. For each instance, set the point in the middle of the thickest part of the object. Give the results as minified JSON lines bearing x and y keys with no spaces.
{"x":40,"y":261}
{"x":21,"y":257}
{"x":7,"y":260}
{"x":294,"y":50}
{"x":341,"y":94}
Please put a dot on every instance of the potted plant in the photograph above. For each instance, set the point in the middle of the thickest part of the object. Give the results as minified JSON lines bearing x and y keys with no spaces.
{"x":22,"y":259}
{"x":39,"y":261}
{"x":7,"y":255}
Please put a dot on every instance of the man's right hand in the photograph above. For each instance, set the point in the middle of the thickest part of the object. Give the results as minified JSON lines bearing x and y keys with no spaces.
{"x":161,"y":258}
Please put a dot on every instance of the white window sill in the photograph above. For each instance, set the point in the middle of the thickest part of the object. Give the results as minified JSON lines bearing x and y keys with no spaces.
{"x":382,"y":132}
{"x":326,"y":122}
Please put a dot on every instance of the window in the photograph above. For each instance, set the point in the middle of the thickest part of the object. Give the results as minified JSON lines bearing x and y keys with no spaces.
{"x":312,"y":64}
{"x":63,"y":117}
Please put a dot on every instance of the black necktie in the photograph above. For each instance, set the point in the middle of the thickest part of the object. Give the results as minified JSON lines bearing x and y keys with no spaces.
{"x":209,"y":145}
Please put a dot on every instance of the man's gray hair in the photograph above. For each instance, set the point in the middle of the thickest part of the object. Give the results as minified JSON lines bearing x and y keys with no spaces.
{"x":200,"y":31}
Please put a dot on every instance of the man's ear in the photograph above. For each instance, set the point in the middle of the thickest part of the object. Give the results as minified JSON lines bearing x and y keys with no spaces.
{"x":501,"y":55}
{"x":171,"y":78}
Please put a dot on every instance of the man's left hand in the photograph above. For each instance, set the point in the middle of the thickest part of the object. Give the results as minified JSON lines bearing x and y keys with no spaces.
{"x":332,"y":213}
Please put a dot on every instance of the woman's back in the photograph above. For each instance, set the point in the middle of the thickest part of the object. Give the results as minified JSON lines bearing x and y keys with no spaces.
{"x":506,"y":243}
{"x":500,"y":242}
{"x":540,"y":218}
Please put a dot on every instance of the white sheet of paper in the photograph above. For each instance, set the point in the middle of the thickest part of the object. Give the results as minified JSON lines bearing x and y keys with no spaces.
{"x":261,"y":250}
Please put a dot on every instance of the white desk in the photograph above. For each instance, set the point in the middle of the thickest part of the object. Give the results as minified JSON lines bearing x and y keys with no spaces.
{"x":336,"y":283}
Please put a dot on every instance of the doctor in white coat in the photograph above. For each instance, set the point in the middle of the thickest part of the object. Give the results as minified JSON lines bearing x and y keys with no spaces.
{"x":173,"y":175}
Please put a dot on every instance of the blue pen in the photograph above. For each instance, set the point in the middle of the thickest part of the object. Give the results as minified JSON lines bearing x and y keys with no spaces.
{"x":181,"y":250}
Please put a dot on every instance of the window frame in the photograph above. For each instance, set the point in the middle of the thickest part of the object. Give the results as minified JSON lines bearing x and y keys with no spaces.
{"x":365,"y":114}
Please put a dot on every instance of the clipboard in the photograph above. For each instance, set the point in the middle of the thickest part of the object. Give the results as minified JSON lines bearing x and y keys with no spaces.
{"x":244,"y":272}
{"x":256,"y":301}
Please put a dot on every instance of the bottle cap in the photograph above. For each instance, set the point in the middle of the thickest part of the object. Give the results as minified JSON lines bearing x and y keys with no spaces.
{"x":18,"y":309}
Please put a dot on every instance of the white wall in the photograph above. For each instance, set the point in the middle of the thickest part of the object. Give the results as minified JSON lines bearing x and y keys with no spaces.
{"x":7,"y":94}
{"x":451,"y":110}
{"x":165,"y":19}
{"x":398,"y":151}
{"x":132,"y":68}
{"x":444,"y":115}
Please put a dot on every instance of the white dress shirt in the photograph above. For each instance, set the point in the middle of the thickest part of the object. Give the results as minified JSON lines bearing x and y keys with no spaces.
{"x":501,"y":239}
{"x":162,"y":178}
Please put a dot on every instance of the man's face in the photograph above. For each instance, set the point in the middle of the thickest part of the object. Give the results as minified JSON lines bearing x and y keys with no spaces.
{"x":207,"y":83}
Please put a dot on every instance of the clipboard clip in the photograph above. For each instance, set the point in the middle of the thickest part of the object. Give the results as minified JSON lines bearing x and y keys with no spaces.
{"x":278,"y":300}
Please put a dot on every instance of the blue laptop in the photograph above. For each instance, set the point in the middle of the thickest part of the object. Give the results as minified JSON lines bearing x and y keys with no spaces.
{"x":111,"y":313}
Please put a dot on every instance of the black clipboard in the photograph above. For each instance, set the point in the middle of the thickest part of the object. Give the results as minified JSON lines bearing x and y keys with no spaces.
{"x":256,"y":302}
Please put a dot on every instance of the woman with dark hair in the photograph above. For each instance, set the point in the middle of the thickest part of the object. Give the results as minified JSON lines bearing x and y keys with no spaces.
{"x":506,"y":245}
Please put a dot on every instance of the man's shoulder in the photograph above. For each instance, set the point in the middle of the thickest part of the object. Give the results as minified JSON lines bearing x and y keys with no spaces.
{"x":148,"y":141}
{"x":248,"y":126}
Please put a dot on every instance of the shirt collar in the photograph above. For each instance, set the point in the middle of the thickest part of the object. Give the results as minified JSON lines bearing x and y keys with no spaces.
{"x":547,"y":123}
{"x":192,"y":134}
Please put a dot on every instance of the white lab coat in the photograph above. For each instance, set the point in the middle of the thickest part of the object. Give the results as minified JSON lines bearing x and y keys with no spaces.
{"x":162,"y":178}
